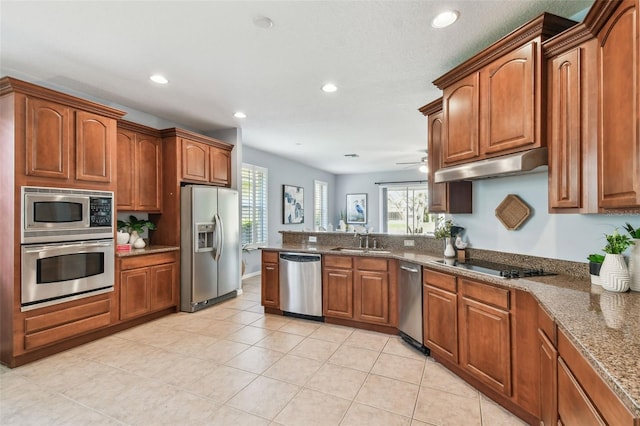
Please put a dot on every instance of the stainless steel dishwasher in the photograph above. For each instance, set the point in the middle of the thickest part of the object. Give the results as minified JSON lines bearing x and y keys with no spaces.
{"x":301,"y":284}
{"x":410,"y":304}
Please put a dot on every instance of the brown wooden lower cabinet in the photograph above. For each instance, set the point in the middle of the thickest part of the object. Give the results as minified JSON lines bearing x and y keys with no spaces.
{"x":548,"y":381}
{"x":147,"y":283}
{"x":440,"y":311}
{"x":485,"y":334}
{"x":270,"y":280}
{"x":574,"y":407}
{"x":337,"y":287}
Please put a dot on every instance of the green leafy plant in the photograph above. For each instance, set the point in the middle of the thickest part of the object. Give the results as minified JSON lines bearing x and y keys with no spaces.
{"x":595,"y":258}
{"x":443,"y":228}
{"x":616,"y":243}
{"x":135,"y":224}
{"x":633,"y":233}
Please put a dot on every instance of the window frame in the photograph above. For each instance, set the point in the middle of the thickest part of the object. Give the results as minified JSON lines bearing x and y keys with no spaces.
{"x":257,"y":203}
{"x":320,"y":212}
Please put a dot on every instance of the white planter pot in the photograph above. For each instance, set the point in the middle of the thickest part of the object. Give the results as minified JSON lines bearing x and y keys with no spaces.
{"x":448,"y":249}
{"x":634,"y":266}
{"x":614,"y":273}
{"x":134,"y":237}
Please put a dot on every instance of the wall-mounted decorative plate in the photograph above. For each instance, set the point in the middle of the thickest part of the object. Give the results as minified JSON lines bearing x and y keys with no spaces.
{"x":512,"y":212}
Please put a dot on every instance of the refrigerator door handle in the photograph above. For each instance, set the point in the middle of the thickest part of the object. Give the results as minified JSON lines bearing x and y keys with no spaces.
{"x":219,"y":236}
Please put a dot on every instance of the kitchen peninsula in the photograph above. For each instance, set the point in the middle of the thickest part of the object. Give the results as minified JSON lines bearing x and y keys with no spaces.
{"x":598,"y":332}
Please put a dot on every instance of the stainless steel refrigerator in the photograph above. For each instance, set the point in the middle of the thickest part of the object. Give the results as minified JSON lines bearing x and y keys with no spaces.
{"x":210,"y":246}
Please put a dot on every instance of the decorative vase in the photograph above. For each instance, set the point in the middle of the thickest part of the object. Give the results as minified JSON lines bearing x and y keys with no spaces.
{"x":448,"y":248}
{"x":634,"y":265}
{"x":122,"y":237}
{"x":139,"y":243}
{"x":614,"y":273}
{"x":134,"y":237}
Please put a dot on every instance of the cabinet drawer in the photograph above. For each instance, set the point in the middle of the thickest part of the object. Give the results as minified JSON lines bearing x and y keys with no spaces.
{"x":52,"y":327}
{"x":344,"y":262}
{"x":133,"y":262}
{"x":498,"y":297}
{"x":438,"y":279}
{"x":371,"y":264}
{"x":547,"y":325}
{"x":270,"y":256}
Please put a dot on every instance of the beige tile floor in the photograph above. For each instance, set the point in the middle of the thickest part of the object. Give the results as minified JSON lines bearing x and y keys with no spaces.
{"x":233,"y":365}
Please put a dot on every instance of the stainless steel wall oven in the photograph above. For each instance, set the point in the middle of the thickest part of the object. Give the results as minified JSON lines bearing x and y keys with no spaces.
{"x":67,"y":247}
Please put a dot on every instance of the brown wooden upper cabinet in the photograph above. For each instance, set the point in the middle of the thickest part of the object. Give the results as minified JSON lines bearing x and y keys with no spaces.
{"x":452,"y":197}
{"x":594,"y":114}
{"x":205,"y":163}
{"x":139,"y":168}
{"x":60,"y":139}
{"x":492,"y":103}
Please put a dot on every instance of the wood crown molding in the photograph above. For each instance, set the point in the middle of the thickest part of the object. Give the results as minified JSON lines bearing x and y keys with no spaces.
{"x":139,"y":128}
{"x":542,"y":27}
{"x":432,"y":107}
{"x":10,"y":84}
{"x":566,"y":40}
{"x":182,"y":133}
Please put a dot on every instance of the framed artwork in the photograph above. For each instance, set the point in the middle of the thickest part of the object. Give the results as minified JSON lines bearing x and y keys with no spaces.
{"x":357,"y":208}
{"x":292,"y":204}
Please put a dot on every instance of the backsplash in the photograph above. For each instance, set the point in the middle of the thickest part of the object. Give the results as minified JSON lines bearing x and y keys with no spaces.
{"x":431,"y":245}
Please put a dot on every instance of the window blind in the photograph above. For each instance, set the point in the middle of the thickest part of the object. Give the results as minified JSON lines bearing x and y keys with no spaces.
{"x":254,"y":205}
{"x":320,"y":204}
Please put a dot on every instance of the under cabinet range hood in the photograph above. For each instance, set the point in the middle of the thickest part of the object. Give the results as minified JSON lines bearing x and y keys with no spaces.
{"x":506,"y":165}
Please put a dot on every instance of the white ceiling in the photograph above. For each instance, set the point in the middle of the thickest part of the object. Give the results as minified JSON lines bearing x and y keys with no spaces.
{"x":383,"y":55}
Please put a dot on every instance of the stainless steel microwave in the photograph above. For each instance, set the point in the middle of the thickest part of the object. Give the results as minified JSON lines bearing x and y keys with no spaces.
{"x":57,"y":214}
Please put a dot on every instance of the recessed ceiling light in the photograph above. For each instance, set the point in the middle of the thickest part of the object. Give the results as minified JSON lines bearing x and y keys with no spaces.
{"x":329,"y":88}
{"x":423,"y":169}
{"x":159,"y":78}
{"x":445,"y":19}
{"x":240,"y":114}
{"x":262,"y":22}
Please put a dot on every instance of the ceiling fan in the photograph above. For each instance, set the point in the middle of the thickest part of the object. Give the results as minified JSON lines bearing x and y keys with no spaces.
{"x":424,"y":166}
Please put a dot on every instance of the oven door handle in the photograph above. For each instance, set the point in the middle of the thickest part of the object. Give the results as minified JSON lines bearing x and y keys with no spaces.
{"x":40,"y":249}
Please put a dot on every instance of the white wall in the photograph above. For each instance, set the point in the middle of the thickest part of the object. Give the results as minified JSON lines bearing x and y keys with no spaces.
{"x":560,"y":236}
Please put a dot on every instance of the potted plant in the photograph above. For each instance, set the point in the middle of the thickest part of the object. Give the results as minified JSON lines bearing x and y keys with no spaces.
{"x":634,"y":258}
{"x":136,"y":227}
{"x":595,"y":263}
{"x":443,"y":231}
{"x":614,"y":273}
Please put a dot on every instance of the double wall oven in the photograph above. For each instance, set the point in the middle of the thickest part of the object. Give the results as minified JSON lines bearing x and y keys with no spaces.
{"x":67,"y":245}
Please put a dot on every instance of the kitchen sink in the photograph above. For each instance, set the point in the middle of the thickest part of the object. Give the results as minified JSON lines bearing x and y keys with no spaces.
{"x":361,"y":250}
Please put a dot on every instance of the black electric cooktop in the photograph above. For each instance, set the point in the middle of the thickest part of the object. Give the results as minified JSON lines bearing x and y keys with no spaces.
{"x":497,"y":269}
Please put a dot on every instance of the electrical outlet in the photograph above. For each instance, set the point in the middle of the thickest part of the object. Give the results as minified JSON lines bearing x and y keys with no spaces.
{"x":409,"y":243}
{"x":313,"y":239}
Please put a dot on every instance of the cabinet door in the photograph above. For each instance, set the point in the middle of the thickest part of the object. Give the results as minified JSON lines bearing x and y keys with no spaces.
{"x":48,"y":139}
{"x":195,"y":161}
{"x":270,"y":285}
{"x":163,"y":286}
{"x":95,"y":142}
{"x":565,"y":144}
{"x":125,"y":198}
{"x":337,"y":292}
{"x":507,"y":102}
{"x":440,"y":310}
{"x":148,"y":173}
{"x":437,"y":191}
{"x":485,"y":344}
{"x":574,"y":407}
{"x":220,"y":166}
{"x":461,"y":120}
{"x":371,"y":297}
{"x":619,"y":138}
{"x":548,"y":381}
{"x":134,"y":293}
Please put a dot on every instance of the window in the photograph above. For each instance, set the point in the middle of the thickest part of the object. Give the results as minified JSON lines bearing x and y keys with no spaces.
{"x":320,"y":204}
{"x":404,"y":210}
{"x":254,"y":205}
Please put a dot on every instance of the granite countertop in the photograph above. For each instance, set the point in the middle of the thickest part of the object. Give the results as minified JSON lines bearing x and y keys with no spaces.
{"x":604,"y":326}
{"x":147,"y":250}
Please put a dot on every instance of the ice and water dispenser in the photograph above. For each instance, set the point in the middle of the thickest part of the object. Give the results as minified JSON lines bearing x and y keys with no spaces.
{"x":204,"y":237}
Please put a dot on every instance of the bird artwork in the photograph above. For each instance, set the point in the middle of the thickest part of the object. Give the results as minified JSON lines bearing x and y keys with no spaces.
{"x":356,"y":208}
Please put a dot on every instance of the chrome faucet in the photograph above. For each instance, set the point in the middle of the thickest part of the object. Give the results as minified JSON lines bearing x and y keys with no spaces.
{"x":363,"y":237}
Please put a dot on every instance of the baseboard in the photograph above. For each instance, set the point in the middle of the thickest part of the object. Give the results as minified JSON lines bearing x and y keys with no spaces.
{"x":251,"y":274}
